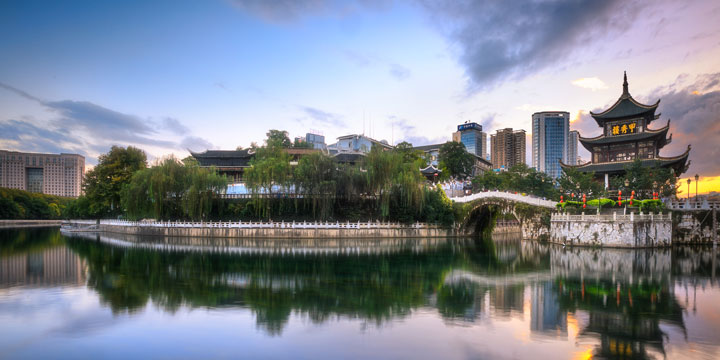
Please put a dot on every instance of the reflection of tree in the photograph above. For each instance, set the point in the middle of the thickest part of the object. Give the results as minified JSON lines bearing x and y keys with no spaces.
{"x":376,"y":287}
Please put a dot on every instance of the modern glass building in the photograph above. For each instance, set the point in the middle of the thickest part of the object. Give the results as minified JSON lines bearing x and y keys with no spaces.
{"x":550,"y":141}
{"x":474,"y":139}
{"x":573,"y":138}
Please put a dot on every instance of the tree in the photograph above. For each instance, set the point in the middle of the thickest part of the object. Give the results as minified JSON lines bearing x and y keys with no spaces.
{"x":315,"y":180}
{"x":573,"y":181}
{"x":279,"y":138}
{"x":103,"y":184}
{"x":172,"y":190}
{"x":644,"y":180}
{"x":268,"y":168}
{"x":299,"y":144}
{"x":455,"y":159}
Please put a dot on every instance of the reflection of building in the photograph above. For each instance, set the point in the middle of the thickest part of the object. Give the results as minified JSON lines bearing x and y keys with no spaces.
{"x":546,"y":316}
{"x":54,"y":174}
{"x":474,"y":139}
{"x":550,"y":141}
{"x":626,"y":137}
{"x":507,"y":299}
{"x":52,"y":267}
{"x":507,"y":148}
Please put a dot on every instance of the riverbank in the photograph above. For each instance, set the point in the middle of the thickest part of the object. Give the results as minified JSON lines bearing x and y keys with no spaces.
{"x":7,"y":224}
{"x":262,"y":230}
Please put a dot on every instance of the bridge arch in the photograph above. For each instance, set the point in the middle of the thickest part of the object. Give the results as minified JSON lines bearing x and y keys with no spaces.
{"x":481,"y":210}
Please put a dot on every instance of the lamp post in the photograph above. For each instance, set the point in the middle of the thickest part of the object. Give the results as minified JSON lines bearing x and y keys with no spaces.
{"x":689,"y":181}
{"x":697,"y":178}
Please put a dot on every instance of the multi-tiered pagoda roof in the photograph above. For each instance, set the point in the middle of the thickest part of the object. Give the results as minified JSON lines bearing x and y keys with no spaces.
{"x":626,"y":137}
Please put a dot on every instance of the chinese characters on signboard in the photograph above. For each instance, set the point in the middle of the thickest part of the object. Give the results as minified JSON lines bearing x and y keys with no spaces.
{"x":622,"y":129}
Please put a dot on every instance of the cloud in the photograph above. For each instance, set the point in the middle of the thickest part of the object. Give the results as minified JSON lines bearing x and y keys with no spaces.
{"x":404,"y":131}
{"x":693,"y":105}
{"x":195,"y":144}
{"x":324,"y":118}
{"x":84,"y":127}
{"x":399,"y":72}
{"x":592,"y":83}
{"x":175,"y":126}
{"x":501,"y":40}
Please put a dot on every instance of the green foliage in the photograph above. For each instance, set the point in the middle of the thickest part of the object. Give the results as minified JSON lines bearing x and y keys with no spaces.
{"x":315,"y":179}
{"x":455,"y":160}
{"x":643,"y":180}
{"x":601,"y":203}
{"x":520,"y":178}
{"x":269,"y":168}
{"x":278,"y":138}
{"x":577,"y":182}
{"x":650,"y":205}
{"x":172,"y":190}
{"x":103,"y":184}
{"x":302,"y":144}
{"x":21,"y":204}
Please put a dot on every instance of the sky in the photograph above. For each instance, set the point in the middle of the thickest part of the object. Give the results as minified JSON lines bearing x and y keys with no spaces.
{"x":173,"y":76}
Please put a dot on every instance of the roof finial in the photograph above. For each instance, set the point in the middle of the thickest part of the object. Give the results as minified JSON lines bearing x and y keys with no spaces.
{"x":625,"y":85}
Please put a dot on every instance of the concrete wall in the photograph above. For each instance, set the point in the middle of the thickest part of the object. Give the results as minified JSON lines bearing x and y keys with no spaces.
{"x":280,"y":233}
{"x":608,"y":231}
{"x":28,"y":223}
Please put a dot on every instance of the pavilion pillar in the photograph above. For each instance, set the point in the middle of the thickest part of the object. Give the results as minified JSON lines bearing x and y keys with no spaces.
{"x":607,"y":181}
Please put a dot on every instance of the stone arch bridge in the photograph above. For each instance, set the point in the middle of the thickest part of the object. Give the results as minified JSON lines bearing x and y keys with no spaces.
{"x":480,"y":209}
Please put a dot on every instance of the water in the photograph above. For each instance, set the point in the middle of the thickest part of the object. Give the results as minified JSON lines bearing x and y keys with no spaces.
{"x":69,"y":297}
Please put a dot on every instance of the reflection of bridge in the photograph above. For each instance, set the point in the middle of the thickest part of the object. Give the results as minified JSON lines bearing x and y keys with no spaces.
{"x":456,"y":276}
{"x":531,"y":200}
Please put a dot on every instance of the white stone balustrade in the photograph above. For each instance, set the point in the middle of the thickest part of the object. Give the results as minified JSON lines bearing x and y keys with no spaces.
{"x":527,"y":199}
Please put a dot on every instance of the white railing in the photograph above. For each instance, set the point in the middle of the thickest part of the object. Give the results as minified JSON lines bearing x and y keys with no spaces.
{"x":693,"y":205}
{"x":532,"y":200}
{"x":612,"y":217}
{"x":262,"y":224}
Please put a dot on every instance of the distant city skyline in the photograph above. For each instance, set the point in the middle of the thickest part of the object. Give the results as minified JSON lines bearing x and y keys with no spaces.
{"x":81,"y":76}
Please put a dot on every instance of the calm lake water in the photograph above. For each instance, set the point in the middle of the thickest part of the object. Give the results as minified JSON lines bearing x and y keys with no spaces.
{"x":91,"y":297}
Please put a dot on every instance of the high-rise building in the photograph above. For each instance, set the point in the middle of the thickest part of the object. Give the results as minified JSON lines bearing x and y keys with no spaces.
{"x":317,"y":140}
{"x":474,"y":139}
{"x":550,"y":141}
{"x":573,"y":138}
{"x":507,"y":148}
{"x":54,"y":174}
{"x":456,"y":137}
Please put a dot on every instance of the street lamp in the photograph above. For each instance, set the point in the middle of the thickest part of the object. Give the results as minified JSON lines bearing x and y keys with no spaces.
{"x":697,"y":178}
{"x":689,"y":181}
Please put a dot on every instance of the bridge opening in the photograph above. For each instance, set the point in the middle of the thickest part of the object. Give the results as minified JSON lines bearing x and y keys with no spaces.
{"x":482,"y":220}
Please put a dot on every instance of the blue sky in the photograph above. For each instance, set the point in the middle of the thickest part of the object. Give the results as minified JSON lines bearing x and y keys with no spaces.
{"x":80,"y":76}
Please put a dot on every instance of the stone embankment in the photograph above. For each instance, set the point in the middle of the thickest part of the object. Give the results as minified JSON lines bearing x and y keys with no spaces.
{"x":4,"y":224}
{"x":615,"y":230}
{"x":263,"y":230}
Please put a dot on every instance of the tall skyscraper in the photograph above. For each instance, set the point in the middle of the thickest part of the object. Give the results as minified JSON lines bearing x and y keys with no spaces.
{"x":550,"y":141}
{"x":54,"y":174}
{"x":507,"y":148}
{"x":573,"y":137}
{"x":474,"y":139}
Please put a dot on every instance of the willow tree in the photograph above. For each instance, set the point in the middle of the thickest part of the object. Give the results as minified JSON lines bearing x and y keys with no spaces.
{"x":269,"y":169}
{"x":315,"y":179}
{"x":171,"y":190}
{"x":394,"y":173}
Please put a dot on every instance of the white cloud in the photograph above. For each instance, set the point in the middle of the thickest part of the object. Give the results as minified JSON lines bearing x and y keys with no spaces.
{"x":592,"y":83}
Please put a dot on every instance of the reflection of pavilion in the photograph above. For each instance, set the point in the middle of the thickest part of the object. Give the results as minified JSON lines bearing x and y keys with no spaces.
{"x":56,"y":266}
{"x":628,"y":294}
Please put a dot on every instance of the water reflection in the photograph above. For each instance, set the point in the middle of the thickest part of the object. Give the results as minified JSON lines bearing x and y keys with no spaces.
{"x":607,"y":303}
